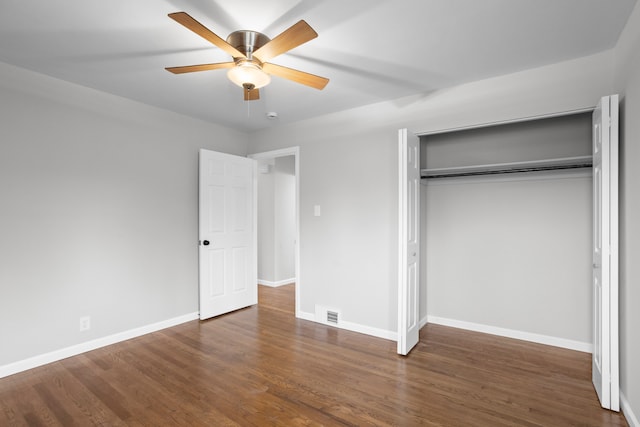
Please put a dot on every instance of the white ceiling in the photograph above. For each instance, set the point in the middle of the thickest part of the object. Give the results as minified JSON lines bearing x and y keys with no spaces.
{"x":371,"y":50}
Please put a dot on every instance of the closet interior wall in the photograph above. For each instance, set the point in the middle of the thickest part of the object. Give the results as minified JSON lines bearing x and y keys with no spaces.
{"x":510,"y":251}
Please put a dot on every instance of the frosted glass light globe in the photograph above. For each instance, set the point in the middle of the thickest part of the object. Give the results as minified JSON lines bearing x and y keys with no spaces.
{"x":248,"y":74}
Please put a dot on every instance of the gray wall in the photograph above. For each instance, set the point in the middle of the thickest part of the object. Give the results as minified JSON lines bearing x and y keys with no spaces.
{"x":347,"y":253}
{"x":266,"y":228}
{"x":627,"y":83}
{"x":549,"y":138}
{"x":98,"y":205}
{"x":276,"y":220}
{"x":511,"y":252}
{"x":285,"y":218}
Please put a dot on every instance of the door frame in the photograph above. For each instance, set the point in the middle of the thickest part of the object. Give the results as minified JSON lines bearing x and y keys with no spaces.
{"x":295,"y":152}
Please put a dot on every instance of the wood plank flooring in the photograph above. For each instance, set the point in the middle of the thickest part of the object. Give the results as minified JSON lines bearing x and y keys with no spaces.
{"x":262,"y":367}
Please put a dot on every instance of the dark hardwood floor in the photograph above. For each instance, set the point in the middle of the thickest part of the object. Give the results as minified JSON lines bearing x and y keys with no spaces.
{"x":260,"y":367}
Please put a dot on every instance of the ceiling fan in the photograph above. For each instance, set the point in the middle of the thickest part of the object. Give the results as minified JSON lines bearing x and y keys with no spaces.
{"x":250,"y":51}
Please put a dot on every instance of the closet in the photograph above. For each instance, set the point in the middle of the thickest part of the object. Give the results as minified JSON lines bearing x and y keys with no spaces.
{"x":506,"y":229}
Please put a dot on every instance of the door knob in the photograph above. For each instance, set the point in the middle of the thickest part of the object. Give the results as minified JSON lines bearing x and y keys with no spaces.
{"x":205,"y":242}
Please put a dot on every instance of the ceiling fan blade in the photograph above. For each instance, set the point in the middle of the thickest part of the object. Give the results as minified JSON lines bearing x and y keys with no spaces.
{"x":297,"y":76}
{"x":251,"y":94}
{"x":186,"y":20}
{"x":201,"y":67}
{"x":293,"y":36}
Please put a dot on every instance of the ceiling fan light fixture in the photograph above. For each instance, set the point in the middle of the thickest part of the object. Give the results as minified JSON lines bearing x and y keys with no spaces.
{"x":250,"y":51}
{"x":248,"y":75}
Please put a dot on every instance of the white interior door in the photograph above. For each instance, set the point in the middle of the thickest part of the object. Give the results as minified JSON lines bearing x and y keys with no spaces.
{"x":409,"y":242}
{"x":228,"y":248}
{"x":605,"y":252}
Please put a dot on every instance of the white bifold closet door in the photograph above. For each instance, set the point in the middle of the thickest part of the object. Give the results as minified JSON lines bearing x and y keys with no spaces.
{"x":409,"y":241}
{"x":605,"y":370}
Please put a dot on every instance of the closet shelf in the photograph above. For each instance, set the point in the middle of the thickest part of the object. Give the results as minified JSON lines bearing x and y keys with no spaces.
{"x":513,"y":167}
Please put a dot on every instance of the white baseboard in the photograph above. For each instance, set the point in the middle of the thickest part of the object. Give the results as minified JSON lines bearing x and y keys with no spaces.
{"x":424,"y":321}
{"x":632,"y":420}
{"x":277,"y":283}
{"x":306,"y":316}
{"x":510,"y":333}
{"x":493,"y":330}
{"x":54,"y":356}
{"x":353,"y":327}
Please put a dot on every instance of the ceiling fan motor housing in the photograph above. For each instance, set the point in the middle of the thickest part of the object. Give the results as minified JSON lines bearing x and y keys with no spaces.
{"x":247,"y":42}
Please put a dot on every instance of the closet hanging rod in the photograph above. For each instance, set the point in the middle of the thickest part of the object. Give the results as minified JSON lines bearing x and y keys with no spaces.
{"x":505,"y":168}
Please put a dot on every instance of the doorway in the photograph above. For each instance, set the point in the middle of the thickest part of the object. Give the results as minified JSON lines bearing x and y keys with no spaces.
{"x":278,"y":220}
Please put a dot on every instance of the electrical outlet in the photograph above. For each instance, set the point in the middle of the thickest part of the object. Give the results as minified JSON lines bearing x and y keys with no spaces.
{"x":85,"y":323}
